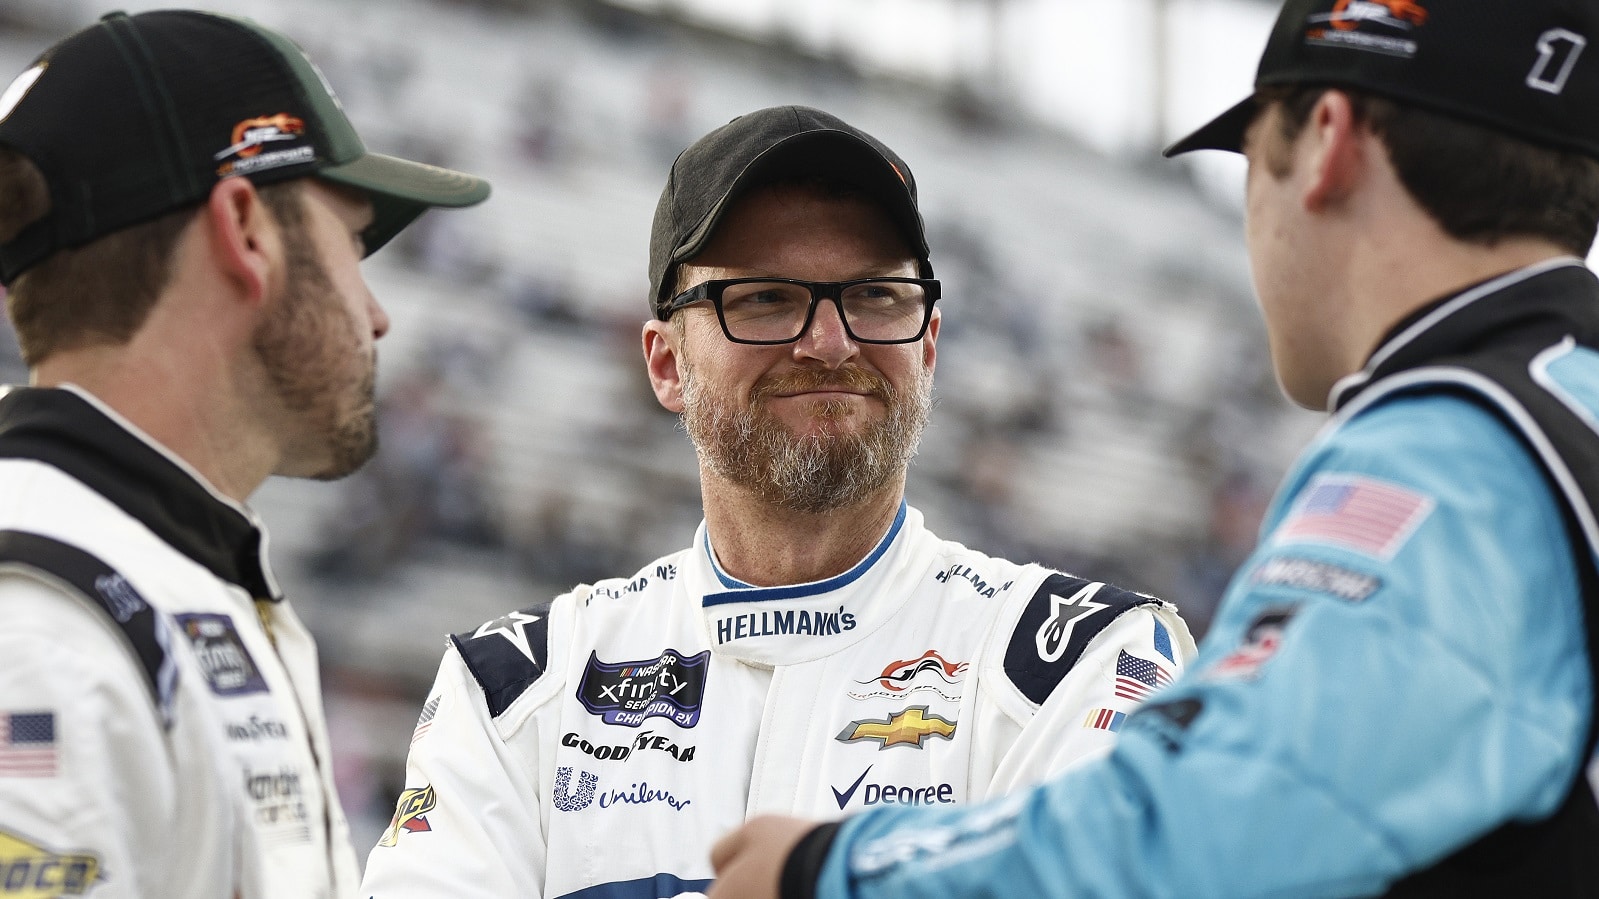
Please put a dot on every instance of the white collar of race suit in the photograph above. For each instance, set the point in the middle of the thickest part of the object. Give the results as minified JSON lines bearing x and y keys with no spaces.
{"x":786,"y":625}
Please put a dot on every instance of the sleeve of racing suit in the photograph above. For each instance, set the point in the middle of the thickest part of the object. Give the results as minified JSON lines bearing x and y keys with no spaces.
{"x":1149,"y":644}
{"x":87,"y":787}
{"x":1352,"y":717}
{"x":467,"y":824}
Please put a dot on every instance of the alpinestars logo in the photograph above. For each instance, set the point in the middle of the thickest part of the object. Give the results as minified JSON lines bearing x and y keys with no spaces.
{"x":250,"y":138}
{"x":1378,"y":26}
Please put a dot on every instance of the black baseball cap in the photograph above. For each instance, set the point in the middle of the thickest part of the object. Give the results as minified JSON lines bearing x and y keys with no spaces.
{"x":137,"y":116}
{"x":769,"y":145}
{"x":1524,"y":67}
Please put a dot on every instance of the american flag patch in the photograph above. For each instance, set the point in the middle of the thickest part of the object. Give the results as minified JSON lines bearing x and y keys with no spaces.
{"x":425,"y":722}
{"x":1136,"y":678}
{"x":28,"y":744}
{"x":1105,"y":719}
{"x":1359,"y":513}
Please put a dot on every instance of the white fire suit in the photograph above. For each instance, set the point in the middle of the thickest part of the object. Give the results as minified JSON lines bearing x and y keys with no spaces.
{"x":599,"y":747}
{"x":154,"y":740}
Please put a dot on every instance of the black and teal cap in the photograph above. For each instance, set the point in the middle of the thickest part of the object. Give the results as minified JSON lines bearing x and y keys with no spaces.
{"x":1528,"y":68}
{"x":137,"y":116}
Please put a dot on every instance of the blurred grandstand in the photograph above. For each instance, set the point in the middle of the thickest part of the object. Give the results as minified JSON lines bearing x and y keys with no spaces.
{"x":1105,"y":401}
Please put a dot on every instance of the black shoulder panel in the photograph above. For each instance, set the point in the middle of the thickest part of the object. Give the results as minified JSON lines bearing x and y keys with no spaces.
{"x":109,"y":592}
{"x":507,"y":655}
{"x":1056,"y":626}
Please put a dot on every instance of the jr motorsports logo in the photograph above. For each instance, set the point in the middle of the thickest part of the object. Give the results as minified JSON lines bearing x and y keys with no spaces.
{"x":31,"y":871}
{"x":930,"y":671}
{"x":251,"y":139}
{"x":627,"y":693}
{"x":1378,"y":26}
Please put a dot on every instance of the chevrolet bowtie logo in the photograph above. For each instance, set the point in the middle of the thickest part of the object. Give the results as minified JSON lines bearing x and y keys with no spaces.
{"x":908,"y":728}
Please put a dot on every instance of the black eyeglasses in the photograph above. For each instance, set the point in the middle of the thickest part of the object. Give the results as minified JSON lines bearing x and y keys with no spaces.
{"x":778,"y":310}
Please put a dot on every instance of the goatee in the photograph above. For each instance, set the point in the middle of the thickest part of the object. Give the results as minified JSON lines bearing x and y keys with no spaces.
{"x":751,"y":447}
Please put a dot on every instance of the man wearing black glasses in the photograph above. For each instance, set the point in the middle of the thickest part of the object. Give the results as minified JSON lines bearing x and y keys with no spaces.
{"x":816,"y":651}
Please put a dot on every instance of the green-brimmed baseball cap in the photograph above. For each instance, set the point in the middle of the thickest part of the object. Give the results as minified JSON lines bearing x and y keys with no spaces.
{"x":137,"y":116}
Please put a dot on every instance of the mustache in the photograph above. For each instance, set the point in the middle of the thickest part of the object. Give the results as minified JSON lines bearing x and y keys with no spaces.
{"x":852,"y":378}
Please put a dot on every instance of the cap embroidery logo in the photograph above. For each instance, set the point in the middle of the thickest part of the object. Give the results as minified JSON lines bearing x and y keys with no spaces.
{"x":250,"y":135}
{"x":250,"y":138}
{"x":1348,"y":14}
{"x":1558,"y":50}
{"x":1369,"y":25}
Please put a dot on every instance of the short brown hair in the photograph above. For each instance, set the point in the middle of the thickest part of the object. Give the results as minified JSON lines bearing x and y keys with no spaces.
{"x":1481,"y":185}
{"x":101,"y":292}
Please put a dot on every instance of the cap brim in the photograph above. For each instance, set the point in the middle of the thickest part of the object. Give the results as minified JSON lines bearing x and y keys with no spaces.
{"x":1224,"y":132}
{"x":401,"y":190}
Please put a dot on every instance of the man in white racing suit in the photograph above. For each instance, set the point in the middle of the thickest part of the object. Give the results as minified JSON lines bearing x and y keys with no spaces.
{"x":816,"y":650}
{"x":183,"y":212}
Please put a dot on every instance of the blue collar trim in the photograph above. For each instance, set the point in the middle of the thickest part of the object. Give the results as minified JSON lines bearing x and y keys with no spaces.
{"x":742,"y":592}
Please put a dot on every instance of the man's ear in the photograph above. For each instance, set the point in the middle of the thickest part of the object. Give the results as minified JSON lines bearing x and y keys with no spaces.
{"x":1336,"y":144}
{"x":243,"y":236}
{"x":663,"y":361}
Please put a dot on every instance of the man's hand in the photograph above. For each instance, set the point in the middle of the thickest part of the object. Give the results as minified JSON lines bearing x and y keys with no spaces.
{"x":749,"y":861}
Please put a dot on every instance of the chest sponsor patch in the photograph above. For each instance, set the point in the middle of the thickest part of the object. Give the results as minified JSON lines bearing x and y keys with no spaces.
{"x":280,"y":808}
{"x":782,"y":622}
{"x":911,"y":727}
{"x":629,"y":693}
{"x":410,"y":814}
{"x":930,"y":671}
{"x":1262,"y":639}
{"x":1317,"y":577}
{"x":226,"y":664}
{"x":893,"y":794}
{"x":1369,"y":516}
{"x":29,"y":870}
{"x":576,"y":790}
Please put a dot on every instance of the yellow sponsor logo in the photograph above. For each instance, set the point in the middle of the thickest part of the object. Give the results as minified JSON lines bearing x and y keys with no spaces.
{"x":30,"y":871}
{"x":908,"y":728}
{"x":408,"y":814}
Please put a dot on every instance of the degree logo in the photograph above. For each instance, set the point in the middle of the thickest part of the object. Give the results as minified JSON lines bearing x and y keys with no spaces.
{"x":910,"y":727}
{"x":30,"y":871}
{"x":408,"y":814}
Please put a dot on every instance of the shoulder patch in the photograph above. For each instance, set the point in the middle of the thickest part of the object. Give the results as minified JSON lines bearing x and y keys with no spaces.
{"x":107,"y":590}
{"x":1062,"y":617}
{"x":507,"y":655}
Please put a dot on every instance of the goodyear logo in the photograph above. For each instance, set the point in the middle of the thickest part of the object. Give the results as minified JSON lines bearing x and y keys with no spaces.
{"x":408,"y":814}
{"x":30,"y":871}
{"x":911,"y":727}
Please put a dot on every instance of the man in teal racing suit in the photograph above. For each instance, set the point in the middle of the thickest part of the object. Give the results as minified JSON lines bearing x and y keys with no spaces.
{"x":1397,"y":697}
